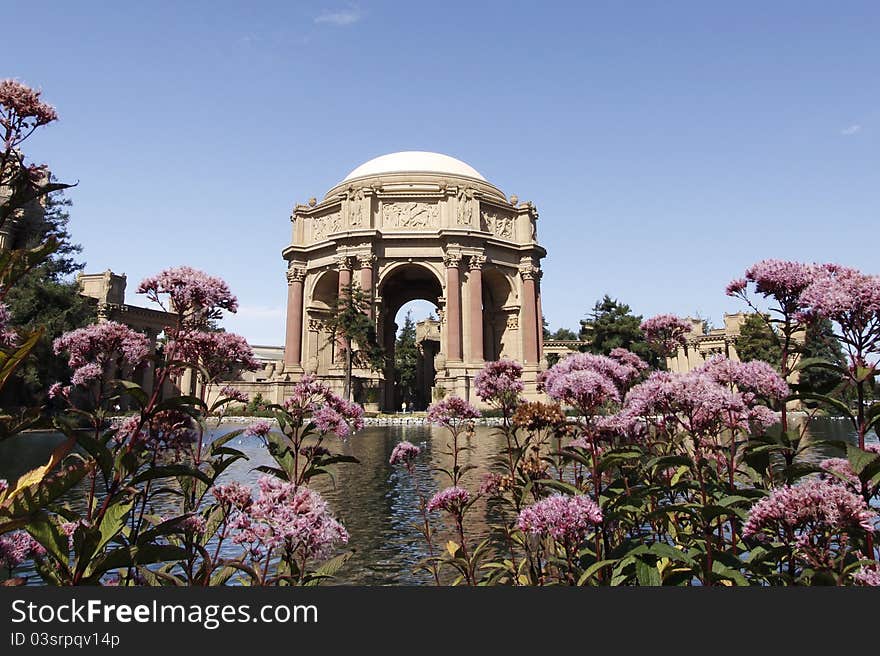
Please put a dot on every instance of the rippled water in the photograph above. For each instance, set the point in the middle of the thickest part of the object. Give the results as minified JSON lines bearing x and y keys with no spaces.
{"x":377,"y":503}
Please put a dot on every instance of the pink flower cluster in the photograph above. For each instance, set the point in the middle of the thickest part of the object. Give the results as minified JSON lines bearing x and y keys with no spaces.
{"x":666,"y":332}
{"x":628,"y":359}
{"x":453,"y":500}
{"x":404,"y":453}
{"x":258,"y":429}
{"x":868,"y":574}
{"x":168,"y":430}
{"x":329,"y":412}
{"x":566,"y":519}
{"x":8,"y":337}
{"x":233,"y":394}
{"x":808,"y":515}
{"x":217,"y":353}
{"x":697,"y":400}
{"x":451,"y":411}
{"x":588,"y":381}
{"x":93,"y":348}
{"x":840,"y":471}
{"x":194,"y":295}
{"x":756,"y":377}
{"x":17,"y":547}
{"x":849,"y":297}
{"x":783,"y":280}
{"x":500,"y":383}
{"x":284,"y":516}
{"x":235,"y":495}
{"x":21,"y":103}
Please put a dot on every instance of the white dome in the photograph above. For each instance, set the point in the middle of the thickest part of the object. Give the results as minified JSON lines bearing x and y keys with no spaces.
{"x":414,"y":161}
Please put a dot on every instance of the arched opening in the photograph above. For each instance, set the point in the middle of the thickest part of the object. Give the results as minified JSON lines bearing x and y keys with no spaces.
{"x":499,"y":313}
{"x":321,"y":349}
{"x":409,"y":286}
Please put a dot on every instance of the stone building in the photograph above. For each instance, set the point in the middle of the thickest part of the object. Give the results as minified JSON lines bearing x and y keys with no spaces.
{"x":701,"y":346}
{"x":407,"y":226}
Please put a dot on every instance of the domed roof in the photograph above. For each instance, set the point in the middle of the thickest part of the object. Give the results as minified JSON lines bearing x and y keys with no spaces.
{"x":414,"y":161}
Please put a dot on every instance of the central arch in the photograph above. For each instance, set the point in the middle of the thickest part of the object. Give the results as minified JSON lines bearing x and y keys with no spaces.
{"x":400,"y":284}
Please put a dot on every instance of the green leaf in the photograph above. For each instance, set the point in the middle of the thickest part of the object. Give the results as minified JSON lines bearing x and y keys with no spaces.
{"x":167,"y":471}
{"x":46,"y":530}
{"x":132,"y":556}
{"x":648,"y":574}
{"x":562,"y":486}
{"x":860,"y":460}
{"x":838,"y":405}
{"x":593,"y":569}
{"x":331,"y":567}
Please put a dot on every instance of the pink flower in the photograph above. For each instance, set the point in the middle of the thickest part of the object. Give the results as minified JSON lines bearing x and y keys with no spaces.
{"x":404,"y":454}
{"x":755,"y":377}
{"x":19,"y":101}
{"x":233,"y":394}
{"x":170,"y":430}
{"x":451,"y":411}
{"x":850,"y":298}
{"x":258,"y":429}
{"x":500,"y":383}
{"x":235,"y":494}
{"x":8,"y":337}
{"x":290,"y":517}
{"x":17,"y":547}
{"x":868,"y":574}
{"x":193,"y":294}
{"x":218,"y":353}
{"x":583,"y":388}
{"x":783,"y":280}
{"x":94,"y":349}
{"x":628,"y":359}
{"x":57,"y":389}
{"x":815,"y":517}
{"x":193,"y":524}
{"x":667,"y":332}
{"x":567,"y":519}
{"x":840,"y":471}
{"x":453,"y":500}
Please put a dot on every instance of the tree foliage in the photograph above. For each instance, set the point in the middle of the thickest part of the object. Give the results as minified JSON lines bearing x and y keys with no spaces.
{"x":46,"y":297}
{"x":406,"y":360}
{"x":350,"y":321}
{"x":612,"y":325}
{"x":758,"y":341}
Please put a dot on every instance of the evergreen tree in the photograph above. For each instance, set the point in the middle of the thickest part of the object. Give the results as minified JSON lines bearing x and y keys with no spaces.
{"x":758,"y":341}
{"x":46,"y":297}
{"x":612,"y":325}
{"x":819,"y":342}
{"x":350,"y":321}
{"x":563,"y":334}
{"x":406,"y":360}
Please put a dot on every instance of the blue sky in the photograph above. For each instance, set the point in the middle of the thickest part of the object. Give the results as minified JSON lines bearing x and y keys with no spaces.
{"x":667,"y":146}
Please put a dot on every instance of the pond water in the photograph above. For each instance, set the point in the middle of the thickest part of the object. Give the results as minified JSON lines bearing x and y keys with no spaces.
{"x":377,"y":503}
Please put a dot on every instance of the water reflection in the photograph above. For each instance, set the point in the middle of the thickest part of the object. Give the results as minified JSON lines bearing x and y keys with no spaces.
{"x":377,"y":503}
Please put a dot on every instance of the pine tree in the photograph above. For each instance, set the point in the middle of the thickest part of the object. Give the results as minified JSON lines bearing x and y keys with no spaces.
{"x":758,"y":341}
{"x":406,"y":360}
{"x":612,"y":325}
{"x":46,"y":297}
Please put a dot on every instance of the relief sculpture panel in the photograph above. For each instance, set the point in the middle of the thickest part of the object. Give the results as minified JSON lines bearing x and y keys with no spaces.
{"x":411,"y":214}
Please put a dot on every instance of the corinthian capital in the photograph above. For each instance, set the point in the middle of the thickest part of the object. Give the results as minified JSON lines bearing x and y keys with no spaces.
{"x":366,"y":260}
{"x":295,"y":274}
{"x":343,"y":262}
{"x":529,"y":272}
{"x":476,"y":262}
{"x":452,"y":260}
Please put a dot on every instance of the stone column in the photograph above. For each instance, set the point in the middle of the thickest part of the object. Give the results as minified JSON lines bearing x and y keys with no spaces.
{"x":453,"y":307}
{"x":475,"y":306}
{"x":344,"y":283}
{"x":293,"y":339}
{"x":540,"y":318}
{"x":366,"y":264}
{"x":529,"y":302}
